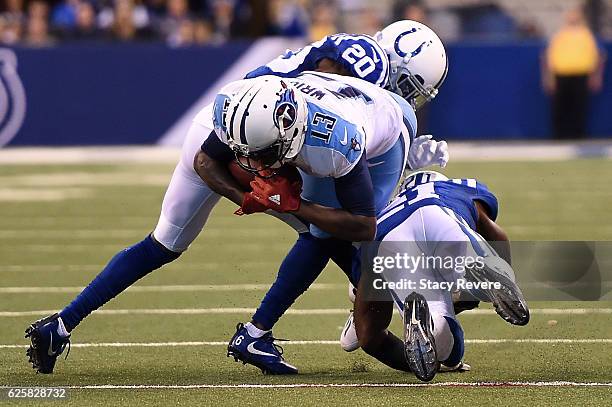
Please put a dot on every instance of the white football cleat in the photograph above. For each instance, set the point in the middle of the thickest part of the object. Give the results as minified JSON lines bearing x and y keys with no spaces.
{"x":460,"y":368}
{"x":348,"y":337}
{"x":419,"y":341}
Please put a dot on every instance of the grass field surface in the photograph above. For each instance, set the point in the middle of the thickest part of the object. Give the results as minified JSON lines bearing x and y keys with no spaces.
{"x":163,"y":342}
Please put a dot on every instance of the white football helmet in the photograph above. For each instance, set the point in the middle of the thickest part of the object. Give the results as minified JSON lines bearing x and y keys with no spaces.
{"x":266,"y":121}
{"x":421,"y":177}
{"x":417,"y":59}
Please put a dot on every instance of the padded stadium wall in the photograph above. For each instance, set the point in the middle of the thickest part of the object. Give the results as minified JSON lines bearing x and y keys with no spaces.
{"x":147,"y":94}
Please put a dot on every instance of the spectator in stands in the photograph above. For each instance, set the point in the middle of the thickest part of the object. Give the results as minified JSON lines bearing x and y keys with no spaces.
{"x":156,"y":8}
{"x":176,"y":27}
{"x":323,"y":17}
{"x":11,"y":22}
{"x":202,"y":32}
{"x":572,"y":69}
{"x":126,"y":20}
{"x":123,"y":27}
{"x":409,"y":10}
{"x":85,"y":27}
{"x":288,"y":18}
{"x":222,"y":19}
{"x":63,"y":15}
{"x":37,"y":26}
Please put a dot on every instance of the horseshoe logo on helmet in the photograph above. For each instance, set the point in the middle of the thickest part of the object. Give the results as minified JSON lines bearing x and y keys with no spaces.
{"x":414,"y":53}
{"x":12,"y":97}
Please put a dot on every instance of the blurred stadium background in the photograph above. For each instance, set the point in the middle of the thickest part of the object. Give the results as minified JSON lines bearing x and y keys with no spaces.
{"x":104,"y":72}
{"x":94,"y":77}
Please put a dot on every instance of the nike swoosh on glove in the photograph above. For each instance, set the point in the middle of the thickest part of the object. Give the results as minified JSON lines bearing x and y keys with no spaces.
{"x":425,"y":152}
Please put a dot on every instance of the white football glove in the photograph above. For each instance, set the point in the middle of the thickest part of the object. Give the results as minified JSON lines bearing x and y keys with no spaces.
{"x":425,"y":152}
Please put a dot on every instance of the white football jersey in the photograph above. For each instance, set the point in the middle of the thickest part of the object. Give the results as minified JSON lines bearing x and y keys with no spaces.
{"x":346,"y":117}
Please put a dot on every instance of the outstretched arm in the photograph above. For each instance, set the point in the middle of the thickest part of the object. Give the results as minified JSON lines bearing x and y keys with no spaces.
{"x":217,"y":177}
{"x":356,"y":221}
{"x":492,"y":232}
{"x":338,"y":222}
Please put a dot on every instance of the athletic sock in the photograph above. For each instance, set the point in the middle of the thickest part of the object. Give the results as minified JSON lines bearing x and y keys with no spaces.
{"x":61,"y":328}
{"x":127,"y":267}
{"x":456,"y":354}
{"x":253,"y":331}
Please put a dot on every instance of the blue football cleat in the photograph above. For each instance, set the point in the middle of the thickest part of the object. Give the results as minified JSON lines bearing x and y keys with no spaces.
{"x":48,"y":338}
{"x":260,"y":352}
{"x":419,"y":342}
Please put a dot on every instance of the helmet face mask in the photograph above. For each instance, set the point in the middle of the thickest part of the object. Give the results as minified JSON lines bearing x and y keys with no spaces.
{"x":413,"y":89}
{"x":265,"y":162}
{"x":417,"y":58}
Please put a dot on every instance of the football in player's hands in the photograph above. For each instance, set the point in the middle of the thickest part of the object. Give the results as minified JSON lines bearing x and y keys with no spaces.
{"x":290,"y":173}
{"x":277,"y":193}
{"x":242,"y":176}
{"x":280,"y":191}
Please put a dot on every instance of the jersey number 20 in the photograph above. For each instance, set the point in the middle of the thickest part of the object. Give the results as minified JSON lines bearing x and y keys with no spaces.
{"x":358,"y":57}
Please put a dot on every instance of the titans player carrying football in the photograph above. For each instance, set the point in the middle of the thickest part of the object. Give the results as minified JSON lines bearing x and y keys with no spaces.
{"x":439,"y":218}
{"x":189,"y":200}
{"x":417,"y":65}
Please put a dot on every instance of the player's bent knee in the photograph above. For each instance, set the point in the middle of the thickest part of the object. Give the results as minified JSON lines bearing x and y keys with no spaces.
{"x":170,"y":236}
{"x":168,"y":253}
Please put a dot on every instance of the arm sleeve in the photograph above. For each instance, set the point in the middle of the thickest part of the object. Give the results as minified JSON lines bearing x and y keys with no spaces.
{"x":355,"y":191}
{"x":359,"y":54}
{"x":216,"y":149}
{"x":292,"y":63}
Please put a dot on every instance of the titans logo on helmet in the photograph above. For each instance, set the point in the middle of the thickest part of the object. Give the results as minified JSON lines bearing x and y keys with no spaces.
{"x":285,"y":109}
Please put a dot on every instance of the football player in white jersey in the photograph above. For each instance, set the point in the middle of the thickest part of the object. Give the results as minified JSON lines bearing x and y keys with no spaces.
{"x":349,"y":140}
{"x":189,"y":201}
{"x":446,"y":229}
{"x":418,"y":65}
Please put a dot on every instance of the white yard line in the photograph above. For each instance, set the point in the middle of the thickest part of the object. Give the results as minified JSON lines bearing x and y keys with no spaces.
{"x":182,"y":311}
{"x":341,"y":385}
{"x":549,"y":311}
{"x":291,"y":311}
{"x":550,"y":341}
{"x":167,"y":288}
{"x":328,"y":385}
{"x":209,"y":265}
{"x":93,"y":247}
{"x":79,"y":234}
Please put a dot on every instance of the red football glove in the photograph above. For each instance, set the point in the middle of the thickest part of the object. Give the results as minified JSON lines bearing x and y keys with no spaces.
{"x":277,"y":193}
{"x":251,"y":204}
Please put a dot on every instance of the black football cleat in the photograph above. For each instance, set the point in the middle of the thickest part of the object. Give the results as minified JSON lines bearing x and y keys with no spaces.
{"x":47,"y":343}
{"x":419,"y":342}
{"x":464,"y":301}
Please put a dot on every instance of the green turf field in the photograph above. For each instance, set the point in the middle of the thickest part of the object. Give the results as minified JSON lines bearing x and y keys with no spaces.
{"x":60,"y":224}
